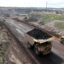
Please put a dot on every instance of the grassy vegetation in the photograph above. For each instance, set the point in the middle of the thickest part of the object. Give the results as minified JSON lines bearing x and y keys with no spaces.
{"x":59,"y":25}
{"x":0,"y":60}
{"x":45,"y":20}
{"x":49,"y":18}
{"x":3,"y":52}
{"x":58,"y":17}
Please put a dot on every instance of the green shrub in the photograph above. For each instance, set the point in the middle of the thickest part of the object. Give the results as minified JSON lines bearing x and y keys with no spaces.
{"x":59,"y":25}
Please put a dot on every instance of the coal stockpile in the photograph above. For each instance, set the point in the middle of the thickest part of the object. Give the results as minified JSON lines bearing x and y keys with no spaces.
{"x":39,"y":34}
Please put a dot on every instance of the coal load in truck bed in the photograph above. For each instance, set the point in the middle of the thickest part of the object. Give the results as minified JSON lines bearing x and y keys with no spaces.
{"x":39,"y":34}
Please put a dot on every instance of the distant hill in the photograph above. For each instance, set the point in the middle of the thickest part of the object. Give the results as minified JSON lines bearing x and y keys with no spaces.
{"x":16,"y":10}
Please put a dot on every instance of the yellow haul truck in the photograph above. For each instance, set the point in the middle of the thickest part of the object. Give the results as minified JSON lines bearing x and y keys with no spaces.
{"x":40,"y":41}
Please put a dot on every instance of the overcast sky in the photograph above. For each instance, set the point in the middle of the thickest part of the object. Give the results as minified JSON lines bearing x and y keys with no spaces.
{"x":32,"y":3}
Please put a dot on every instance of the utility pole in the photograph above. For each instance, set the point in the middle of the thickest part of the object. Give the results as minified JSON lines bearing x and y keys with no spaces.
{"x":46,"y":5}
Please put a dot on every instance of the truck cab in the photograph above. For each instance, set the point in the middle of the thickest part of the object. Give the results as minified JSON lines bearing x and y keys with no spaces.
{"x":43,"y":46}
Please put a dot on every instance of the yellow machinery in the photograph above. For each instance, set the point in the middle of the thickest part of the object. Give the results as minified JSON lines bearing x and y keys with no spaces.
{"x":40,"y":41}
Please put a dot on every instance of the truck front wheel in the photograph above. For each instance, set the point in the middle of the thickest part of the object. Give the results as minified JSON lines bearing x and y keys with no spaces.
{"x":36,"y":50}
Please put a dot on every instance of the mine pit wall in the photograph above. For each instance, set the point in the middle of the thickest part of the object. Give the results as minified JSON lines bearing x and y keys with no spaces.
{"x":4,"y":43}
{"x":37,"y":26}
{"x":8,"y":34}
{"x":10,"y":57}
{"x":29,"y":58}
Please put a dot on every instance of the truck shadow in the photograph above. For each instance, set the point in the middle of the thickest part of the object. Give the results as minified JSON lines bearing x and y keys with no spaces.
{"x":48,"y":59}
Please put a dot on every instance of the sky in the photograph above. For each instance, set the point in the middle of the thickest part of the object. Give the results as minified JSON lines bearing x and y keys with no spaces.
{"x":32,"y":3}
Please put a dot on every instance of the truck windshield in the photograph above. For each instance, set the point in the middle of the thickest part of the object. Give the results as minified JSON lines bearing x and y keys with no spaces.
{"x":45,"y":43}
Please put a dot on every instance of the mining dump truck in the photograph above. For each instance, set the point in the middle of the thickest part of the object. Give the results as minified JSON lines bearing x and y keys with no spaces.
{"x":40,"y":41}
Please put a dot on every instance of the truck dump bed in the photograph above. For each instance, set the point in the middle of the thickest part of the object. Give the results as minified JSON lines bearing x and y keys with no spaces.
{"x":39,"y":34}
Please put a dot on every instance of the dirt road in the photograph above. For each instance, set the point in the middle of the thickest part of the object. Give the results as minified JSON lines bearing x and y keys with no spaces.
{"x":57,"y":54}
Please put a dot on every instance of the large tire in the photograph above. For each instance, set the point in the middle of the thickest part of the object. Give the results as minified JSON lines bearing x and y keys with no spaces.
{"x":62,"y":42}
{"x":36,"y":51}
